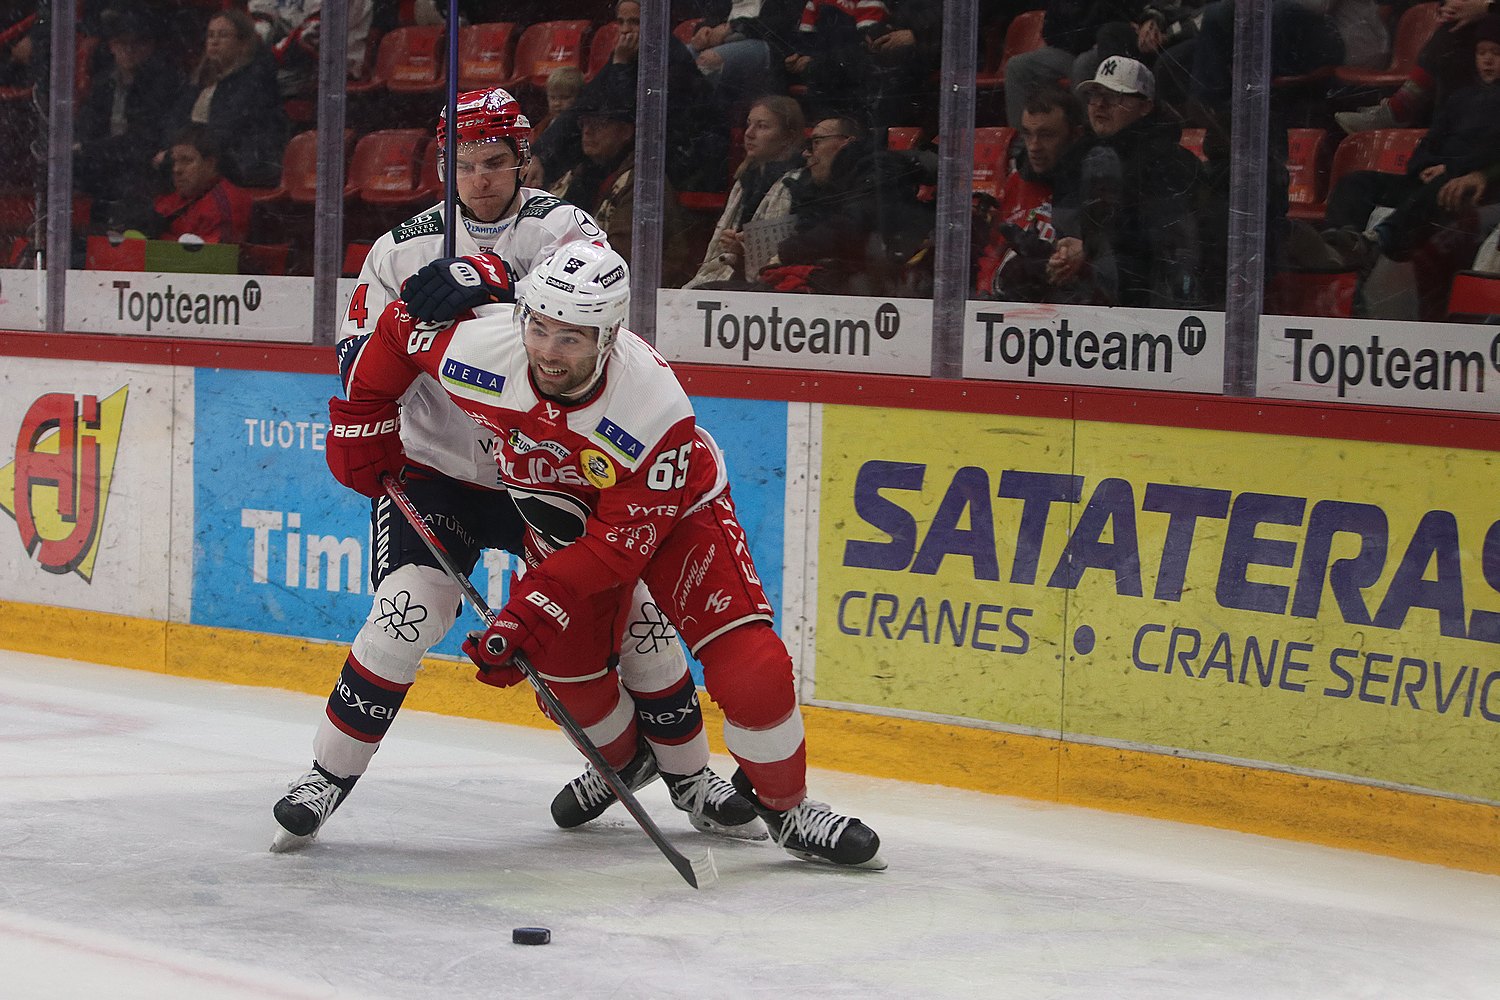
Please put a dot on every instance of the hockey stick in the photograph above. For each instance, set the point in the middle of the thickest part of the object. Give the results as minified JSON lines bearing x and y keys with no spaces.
{"x":697,"y":873}
{"x":450,"y":138}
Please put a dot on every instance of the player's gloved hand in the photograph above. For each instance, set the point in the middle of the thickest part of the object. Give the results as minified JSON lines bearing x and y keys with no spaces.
{"x":363,"y":443}
{"x":536,"y":614}
{"x":443,"y":289}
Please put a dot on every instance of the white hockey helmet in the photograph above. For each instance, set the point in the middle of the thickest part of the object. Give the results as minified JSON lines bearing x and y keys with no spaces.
{"x":581,"y":284}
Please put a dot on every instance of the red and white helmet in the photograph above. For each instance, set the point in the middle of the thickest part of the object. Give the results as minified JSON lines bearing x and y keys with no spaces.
{"x":487,"y":116}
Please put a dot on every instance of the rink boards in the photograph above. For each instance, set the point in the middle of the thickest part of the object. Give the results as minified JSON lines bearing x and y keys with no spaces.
{"x":1035,"y":592}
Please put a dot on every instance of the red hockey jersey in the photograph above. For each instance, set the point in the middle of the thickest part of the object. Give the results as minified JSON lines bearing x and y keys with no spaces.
{"x":607,"y":478}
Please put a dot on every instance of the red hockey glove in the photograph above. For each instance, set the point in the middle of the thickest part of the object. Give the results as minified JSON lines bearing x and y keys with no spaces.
{"x":443,"y":289}
{"x":536,"y":614}
{"x":364,"y":442}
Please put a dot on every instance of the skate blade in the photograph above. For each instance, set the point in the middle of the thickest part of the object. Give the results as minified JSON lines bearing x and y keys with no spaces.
{"x":751,"y":830}
{"x":875,"y":863}
{"x":286,"y":841}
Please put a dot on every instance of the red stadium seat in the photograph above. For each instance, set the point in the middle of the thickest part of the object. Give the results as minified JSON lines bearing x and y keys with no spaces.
{"x":354,"y":257}
{"x":1413,"y":31}
{"x":1475,"y":297}
{"x":484,"y":55}
{"x":1311,"y":293}
{"x":264,"y":258}
{"x":386,"y":168}
{"x":1307,"y":173}
{"x":545,"y":47}
{"x":1192,"y":141}
{"x":1385,"y":150}
{"x":409,"y":60}
{"x":602,"y":48}
{"x":103,"y":254}
{"x":1023,"y":35}
{"x":299,"y":170}
{"x":992,"y":158}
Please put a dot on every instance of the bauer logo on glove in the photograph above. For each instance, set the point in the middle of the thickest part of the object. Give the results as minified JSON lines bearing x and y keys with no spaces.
{"x":441,"y":291}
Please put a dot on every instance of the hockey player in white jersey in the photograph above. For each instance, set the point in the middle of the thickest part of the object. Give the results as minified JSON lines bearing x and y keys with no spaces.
{"x":450,"y":473}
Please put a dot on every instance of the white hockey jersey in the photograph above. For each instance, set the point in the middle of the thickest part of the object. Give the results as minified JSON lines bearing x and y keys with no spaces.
{"x":434,"y":431}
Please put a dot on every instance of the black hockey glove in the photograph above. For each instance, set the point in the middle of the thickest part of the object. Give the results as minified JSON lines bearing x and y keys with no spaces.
{"x":443,"y":289}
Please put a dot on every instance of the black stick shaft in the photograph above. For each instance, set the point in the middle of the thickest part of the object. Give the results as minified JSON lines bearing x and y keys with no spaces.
{"x":555,"y":708}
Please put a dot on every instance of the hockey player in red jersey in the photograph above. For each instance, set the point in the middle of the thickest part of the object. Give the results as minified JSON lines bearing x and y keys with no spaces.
{"x":599,"y":448}
{"x":450,"y":472}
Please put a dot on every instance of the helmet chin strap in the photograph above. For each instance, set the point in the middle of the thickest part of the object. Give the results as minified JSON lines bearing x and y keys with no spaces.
{"x":465,"y":211}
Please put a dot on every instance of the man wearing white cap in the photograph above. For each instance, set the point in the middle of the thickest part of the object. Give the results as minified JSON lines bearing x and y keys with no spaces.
{"x":1131,"y":216}
{"x":1120,"y":94}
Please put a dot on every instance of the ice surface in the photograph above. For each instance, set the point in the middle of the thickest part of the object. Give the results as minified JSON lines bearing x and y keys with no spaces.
{"x":135,"y":816}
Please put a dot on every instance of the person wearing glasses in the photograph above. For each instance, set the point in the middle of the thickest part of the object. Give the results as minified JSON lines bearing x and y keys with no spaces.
{"x":1128,"y":217}
{"x":859,"y":227}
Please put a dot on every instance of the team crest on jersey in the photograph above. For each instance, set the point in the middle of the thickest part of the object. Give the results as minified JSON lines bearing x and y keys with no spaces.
{"x":619,"y":439}
{"x":538,"y":208}
{"x":597,"y":468}
{"x":429,"y":223}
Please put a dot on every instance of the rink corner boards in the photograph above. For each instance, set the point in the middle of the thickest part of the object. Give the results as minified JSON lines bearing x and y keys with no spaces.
{"x":1404,"y":824}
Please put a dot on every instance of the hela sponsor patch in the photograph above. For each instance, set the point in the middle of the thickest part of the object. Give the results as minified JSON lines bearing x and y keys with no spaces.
{"x":429,"y":223}
{"x":619,"y":438}
{"x":478,"y":378}
{"x":597,"y":468}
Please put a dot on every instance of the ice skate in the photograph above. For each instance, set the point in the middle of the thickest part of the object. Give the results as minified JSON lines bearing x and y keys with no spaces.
{"x":587,"y":796}
{"x":813,"y":832}
{"x":302,"y":811}
{"x":713,"y":805}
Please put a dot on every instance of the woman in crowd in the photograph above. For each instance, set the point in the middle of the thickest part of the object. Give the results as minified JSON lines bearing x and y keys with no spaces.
{"x":773,"y":148}
{"x":233,"y":91}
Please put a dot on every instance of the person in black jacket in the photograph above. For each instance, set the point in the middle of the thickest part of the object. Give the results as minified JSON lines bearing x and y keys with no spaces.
{"x":1070,"y":29}
{"x":697,"y":151}
{"x":120,"y":122}
{"x":1128,"y":212}
{"x":233,"y":91}
{"x":1448,"y":173}
{"x":860,"y":229}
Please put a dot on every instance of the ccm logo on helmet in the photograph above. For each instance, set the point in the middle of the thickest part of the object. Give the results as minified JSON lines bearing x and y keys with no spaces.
{"x":365,"y":430}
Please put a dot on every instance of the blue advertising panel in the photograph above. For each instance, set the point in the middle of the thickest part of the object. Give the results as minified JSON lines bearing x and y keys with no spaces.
{"x":281,"y":547}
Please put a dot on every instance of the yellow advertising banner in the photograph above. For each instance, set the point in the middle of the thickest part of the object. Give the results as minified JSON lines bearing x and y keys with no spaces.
{"x":1330,"y":606}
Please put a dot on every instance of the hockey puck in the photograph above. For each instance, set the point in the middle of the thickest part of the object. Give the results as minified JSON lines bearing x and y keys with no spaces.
{"x":531,"y":935}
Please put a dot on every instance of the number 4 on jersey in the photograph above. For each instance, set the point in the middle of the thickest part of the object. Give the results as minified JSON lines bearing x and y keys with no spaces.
{"x":358,"y":311}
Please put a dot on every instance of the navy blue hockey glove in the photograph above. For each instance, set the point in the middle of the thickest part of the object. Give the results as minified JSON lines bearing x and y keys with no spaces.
{"x":443,"y":289}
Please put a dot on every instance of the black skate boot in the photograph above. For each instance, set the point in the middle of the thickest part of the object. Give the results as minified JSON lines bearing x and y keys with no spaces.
{"x":302,"y":811}
{"x":713,"y":805}
{"x":587,"y":796}
{"x":813,"y":832}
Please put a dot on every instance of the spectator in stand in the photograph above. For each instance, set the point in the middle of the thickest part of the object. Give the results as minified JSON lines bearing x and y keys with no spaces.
{"x":773,"y":149}
{"x":1305,"y":35}
{"x":697,"y":127}
{"x":1448,"y":174}
{"x":743,"y":46}
{"x":1013,"y":261}
{"x":291,"y":29}
{"x":1127,"y":217}
{"x":1443,"y":66}
{"x":860,"y":229}
{"x":233,"y":92}
{"x":120,"y":124}
{"x":202,"y":202}
{"x":866,"y":58}
{"x":603,"y":181}
{"x":1158,"y":33}
{"x":564,"y":87}
{"x":1069,"y":29}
